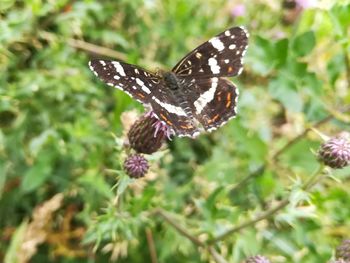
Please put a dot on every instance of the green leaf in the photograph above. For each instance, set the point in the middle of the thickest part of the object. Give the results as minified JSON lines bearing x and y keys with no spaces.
{"x":304,"y":43}
{"x":37,"y":174}
{"x":285,"y":92}
{"x":335,"y":67}
{"x":260,"y":56}
{"x":16,"y":241}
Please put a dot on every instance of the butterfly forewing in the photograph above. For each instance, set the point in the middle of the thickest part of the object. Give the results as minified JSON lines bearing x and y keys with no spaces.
{"x":221,"y":56}
{"x":133,"y":80}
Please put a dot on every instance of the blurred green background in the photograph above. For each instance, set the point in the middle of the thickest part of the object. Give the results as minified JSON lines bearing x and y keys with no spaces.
{"x":63,"y":194}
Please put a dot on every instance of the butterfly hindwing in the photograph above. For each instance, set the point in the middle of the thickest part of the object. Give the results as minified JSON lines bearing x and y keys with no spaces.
{"x":220,"y":56}
{"x":217,"y":105}
{"x":175,"y":118}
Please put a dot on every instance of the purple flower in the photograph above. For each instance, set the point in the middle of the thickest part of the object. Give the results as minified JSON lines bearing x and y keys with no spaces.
{"x":306,"y":4}
{"x":336,"y":151}
{"x":136,"y":166}
{"x":257,"y":259}
{"x":238,"y":10}
{"x":148,"y":133}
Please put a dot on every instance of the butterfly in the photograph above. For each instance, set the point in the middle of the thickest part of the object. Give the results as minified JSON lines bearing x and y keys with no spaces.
{"x":195,"y":95}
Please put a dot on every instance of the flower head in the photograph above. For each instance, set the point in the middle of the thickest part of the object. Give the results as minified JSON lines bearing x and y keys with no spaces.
{"x":343,"y":250}
{"x":336,"y":151}
{"x":148,"y":133}
{"x":306,"y":4}
{"x":238,"y":10}
{"x":257,"y":259}
{"x":136,"y":166}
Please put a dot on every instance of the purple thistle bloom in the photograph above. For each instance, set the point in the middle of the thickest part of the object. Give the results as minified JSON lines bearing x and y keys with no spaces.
{"x":238,"y":10}
{"x":336,"y":151}
{"x":148,"y":133}
{"x":160,"y":126}
{"x":136,"y":166}
{"x":257,"y":259}
{"x":306,"y":4}
{"x":343,"y":250}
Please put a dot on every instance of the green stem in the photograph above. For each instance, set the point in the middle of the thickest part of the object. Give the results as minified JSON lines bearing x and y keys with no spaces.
{"x":313,"y":178}
{"x":306,"y":186}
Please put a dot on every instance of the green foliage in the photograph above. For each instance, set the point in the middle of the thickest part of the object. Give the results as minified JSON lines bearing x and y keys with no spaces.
{"x":60,"y":132}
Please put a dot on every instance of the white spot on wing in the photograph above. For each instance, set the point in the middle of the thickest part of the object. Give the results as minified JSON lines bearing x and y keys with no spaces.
{"x":214,"y":67}
{"x":206,"y":97}
{"x":103,"y":63}
{"x":92,"y":69}
{"x":227,"y":61}
{"x":232,"y":46}
{"x":143,"y":87}
{"x":217,"y":43}
{"x":170,"y":108}
{"x":227,"y":33}
{"x":245,"y":30}
{"x":119,"y":68}
{"x":198,"y":55}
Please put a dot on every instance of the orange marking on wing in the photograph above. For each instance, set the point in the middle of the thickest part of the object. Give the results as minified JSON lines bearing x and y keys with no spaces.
{"x":166,"y":119}
{"x":214,"y":119}
{"x":230,"y":69}
{"x":186,"y":127}
{"x":141,"y":95}
{"x":228,"y":103}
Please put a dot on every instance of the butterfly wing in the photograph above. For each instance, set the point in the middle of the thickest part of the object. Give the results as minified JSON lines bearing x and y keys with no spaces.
{"x":214,"y":103}
{"x":148,"y":89}
{"x":133,"y":80}
{"x":221,"y":56}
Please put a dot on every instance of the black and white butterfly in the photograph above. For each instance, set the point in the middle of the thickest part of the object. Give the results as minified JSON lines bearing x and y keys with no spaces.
{"x":195,"y":94}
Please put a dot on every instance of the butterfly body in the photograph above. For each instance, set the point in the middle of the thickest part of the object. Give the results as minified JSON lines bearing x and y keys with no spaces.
{"x":171,"y":81}
{"x":193,"y":96}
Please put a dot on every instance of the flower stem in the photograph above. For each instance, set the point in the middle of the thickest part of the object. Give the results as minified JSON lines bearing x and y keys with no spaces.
{"x":306,"y":186}
{"x":151,"y":246}
{"x":211,"y":250}
{"x":179,"y":228}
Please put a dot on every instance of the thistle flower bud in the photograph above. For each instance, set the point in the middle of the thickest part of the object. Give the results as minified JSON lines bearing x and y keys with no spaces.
{"x":148,"y":133}
{"x":257,"y":259}
{"x":136,"y":166}
{"x":336,"y":151}
{"x":343,"y":250}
